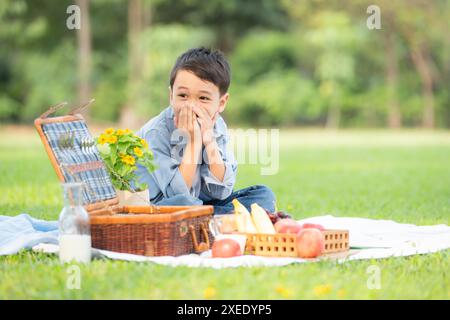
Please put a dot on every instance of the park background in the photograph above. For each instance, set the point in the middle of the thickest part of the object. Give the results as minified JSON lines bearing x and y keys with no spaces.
{"x":294,"y":63}
{"x":363,"y":117}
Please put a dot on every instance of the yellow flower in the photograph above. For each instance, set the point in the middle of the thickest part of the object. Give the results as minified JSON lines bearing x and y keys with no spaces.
{"x":322,"y":290}
{"x":138,"y":152}
{"x":285,"y":293}
{"x":128,"y":131}
{"x":109,"y":131}
{"x":120,"y":132}
{"x":102,"y":139}
{"x":144,"y":143}
{"x":209,"y":293}
{"x":342,"y":293}
{"x":112,"y":139}
{"x":128,"y":160}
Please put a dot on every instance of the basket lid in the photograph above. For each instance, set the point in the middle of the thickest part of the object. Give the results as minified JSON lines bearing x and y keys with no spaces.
{"x":75,"y":158}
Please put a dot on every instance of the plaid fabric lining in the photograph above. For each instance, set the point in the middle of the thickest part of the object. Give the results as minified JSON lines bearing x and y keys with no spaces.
{"x":97,"y":181}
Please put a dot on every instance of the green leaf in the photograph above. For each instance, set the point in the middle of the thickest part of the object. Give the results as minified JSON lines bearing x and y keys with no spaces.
{"x":104,"y":149}
{"x":113,"y":153}
{"x":123,"y":146}
{"x":125,"y":138}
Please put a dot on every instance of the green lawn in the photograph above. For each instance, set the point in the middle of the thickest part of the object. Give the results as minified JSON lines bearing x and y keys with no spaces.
{"x":404,"y":176}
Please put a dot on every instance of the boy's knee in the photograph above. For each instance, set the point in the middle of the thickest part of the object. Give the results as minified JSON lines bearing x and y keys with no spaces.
{"x":266,"y":195}
{"x":265,"y":191}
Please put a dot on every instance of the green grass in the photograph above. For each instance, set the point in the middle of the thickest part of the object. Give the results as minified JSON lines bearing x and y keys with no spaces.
{"x":402,"y":176}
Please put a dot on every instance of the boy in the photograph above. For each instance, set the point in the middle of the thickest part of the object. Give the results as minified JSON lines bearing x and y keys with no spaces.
{"x":189,"y":140}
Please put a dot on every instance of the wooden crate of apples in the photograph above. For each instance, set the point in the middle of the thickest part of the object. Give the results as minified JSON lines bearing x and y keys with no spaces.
{"x":274,"y":235}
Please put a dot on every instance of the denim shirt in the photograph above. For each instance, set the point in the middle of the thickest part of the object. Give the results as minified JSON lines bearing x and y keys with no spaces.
{"x":168,"y":146}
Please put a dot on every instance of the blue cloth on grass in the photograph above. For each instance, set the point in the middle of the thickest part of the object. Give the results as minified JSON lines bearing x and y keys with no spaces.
{"x":24,"y":231}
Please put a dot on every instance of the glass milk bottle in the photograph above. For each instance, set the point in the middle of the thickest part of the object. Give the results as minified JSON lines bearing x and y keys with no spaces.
{"x":74,"y":226}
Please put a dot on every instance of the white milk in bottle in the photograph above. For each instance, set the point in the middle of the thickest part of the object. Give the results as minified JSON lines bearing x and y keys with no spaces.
{"x":74,"y":227}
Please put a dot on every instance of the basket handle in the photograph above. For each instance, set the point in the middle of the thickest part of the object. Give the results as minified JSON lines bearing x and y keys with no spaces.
{"x":79,"y":108}
{"x":202,"y":246}
{"x":52,"y":109}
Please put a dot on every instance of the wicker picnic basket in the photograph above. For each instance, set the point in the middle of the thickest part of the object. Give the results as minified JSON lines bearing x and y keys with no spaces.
{"x":280,"y":244}
{"x":143,"y":230}
{"x":283,"y":244}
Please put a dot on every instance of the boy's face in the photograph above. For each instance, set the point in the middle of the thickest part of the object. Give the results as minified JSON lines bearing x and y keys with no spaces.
{"x":188,"y":89}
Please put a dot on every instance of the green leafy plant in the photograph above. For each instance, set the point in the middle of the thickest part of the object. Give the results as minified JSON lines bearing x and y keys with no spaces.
{"x":122,"y":151}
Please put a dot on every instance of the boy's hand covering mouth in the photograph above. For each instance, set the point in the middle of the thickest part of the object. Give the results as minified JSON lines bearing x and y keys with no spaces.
{"x":186,"y":120}
{"x":206,"y":124}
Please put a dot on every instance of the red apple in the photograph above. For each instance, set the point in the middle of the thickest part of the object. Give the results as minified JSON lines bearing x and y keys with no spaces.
{"x":287,"y":226}
{"x":225,"y":248}
{"x":313,"y":225}
{"x":310,"y":243}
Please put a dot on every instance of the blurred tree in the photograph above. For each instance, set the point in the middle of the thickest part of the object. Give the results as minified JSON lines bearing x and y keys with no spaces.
{"x":110,"y":85}
{"x":391,"y":68}
{"x":84,"y":55}
{"x":260,"y":49}
{"x":279,"y":97}
{"x":37,"y":57}
{"x":395,"y":76}
{"x":418,"y":25}
{"x":336,"y":38}
{"x":109,"y":58}
{"x":128,"y":115}
{"x":162,"y":45}
{"x":386,"y":47}
{"x":46,"y":78}
{"x":229,"y":19}
{"x":12,"y":22}
{"x":267,"y":88}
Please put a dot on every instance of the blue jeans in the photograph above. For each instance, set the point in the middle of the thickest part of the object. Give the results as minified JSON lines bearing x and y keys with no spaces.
{"x":259,"y":194}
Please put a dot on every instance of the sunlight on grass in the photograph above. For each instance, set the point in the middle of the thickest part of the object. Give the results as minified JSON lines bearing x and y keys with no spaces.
{"x":395,"y":175}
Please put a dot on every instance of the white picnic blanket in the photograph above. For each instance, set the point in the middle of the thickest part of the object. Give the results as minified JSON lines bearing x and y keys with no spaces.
{"x":369,"y":239}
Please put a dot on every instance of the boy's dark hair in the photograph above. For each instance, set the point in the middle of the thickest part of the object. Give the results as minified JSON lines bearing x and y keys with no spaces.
{"x":209,"y":65}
